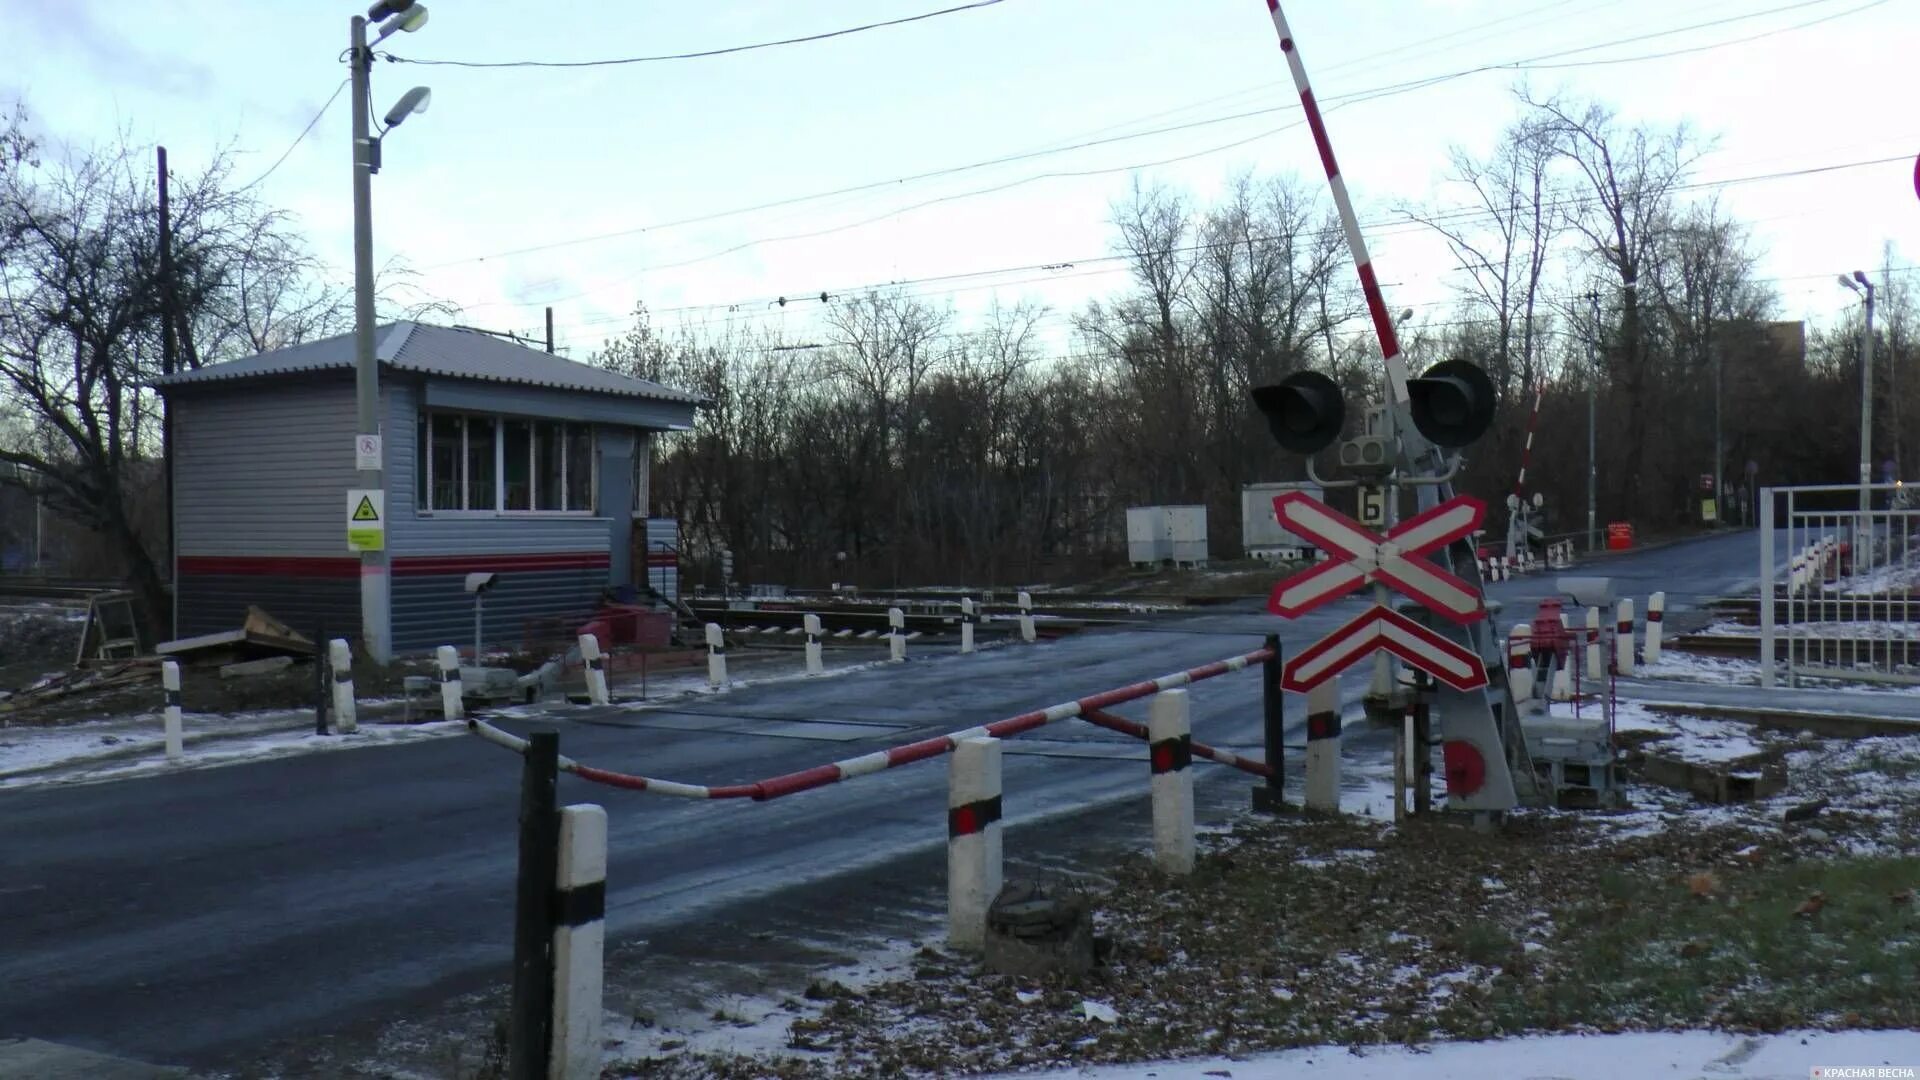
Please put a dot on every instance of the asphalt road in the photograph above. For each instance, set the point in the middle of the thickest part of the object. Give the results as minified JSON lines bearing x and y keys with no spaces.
{"x":192,"y":918}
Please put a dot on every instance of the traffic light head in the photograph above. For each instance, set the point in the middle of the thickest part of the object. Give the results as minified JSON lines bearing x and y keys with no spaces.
{"x":1452,"y":403}
{"x":1303,"y":410}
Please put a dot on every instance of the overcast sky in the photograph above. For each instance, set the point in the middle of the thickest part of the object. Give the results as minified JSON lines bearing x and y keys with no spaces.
{"x":519,"y":158}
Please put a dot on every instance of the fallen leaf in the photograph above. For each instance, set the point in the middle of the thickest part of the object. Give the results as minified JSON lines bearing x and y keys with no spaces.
{"x":1692,"y":949}
{"x":1904,"y":896}
{"x":1703,"y":884}
{"x":1811,"y":906}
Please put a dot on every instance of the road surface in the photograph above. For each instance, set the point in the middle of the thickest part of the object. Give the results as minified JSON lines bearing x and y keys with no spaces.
{"x":193,"y":918}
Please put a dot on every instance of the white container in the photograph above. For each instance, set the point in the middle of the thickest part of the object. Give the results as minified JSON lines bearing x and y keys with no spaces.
{"x":1148,"y":542}
{"x":1187,"y":535}
{"x":1260,"y":532}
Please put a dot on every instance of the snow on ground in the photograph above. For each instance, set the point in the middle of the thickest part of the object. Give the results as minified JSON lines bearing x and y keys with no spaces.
{"x":1689,"y":738}
{"x":1682,"y":1055}
{"x":1691,"y":667}
{"x":1880,"y":581}
{"x":1863,"y":628}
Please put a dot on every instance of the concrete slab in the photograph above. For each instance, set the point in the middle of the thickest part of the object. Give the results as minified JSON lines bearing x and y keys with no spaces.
{"x":51,"y":1061}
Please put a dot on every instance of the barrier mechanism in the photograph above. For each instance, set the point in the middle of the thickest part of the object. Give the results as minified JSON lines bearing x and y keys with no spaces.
{"x":896,"y":634}
{"x":579,"y":943}
{"x":345,"y":712}
{"x":1026,"y":617}
{"x":973,"y":840}
{"x":450,"y":693}
{"x":596,"y":662}
{"x":716,"y":656}
{"x":1323,"y":747}
{"x":170,"y":690}
{"x":811,"y":624}
{"x":966,"y":624}
{"x":1656,"y":610}
{"x":1170,"y":754}
{"x":1623,"y":638}
{"x":1595,"y":669}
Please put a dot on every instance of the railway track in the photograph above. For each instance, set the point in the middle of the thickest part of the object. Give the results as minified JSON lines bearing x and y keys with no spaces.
{"x":1837,"y":650}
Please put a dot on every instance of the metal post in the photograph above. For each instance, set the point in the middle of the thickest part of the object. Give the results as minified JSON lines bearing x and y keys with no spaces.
{"x":373,"y":564}
{"x":530,"y":1021}
{"x":1273,"y":714}
{"x":1593,"y":465}
{"x":477,"y":604}
{"x":322,"y":681}
{"x":1422,"y":743}
{"x":1866,"y":409}
{"x":1766,"y":588}
{"x":1719,"y":464}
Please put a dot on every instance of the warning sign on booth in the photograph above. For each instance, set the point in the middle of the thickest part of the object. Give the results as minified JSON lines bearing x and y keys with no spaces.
{"x":366,"y":520}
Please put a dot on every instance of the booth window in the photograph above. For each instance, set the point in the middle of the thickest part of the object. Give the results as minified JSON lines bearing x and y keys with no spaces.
{"x":477,"y":462}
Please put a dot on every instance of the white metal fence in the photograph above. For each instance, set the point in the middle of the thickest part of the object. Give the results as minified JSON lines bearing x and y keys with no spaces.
{"x":1838,"y":584}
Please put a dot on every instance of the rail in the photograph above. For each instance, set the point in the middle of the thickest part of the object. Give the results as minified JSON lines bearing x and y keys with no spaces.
{"x":818,"y":776}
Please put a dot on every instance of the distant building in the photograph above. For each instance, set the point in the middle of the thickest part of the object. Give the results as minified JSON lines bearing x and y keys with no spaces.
{"x":498,"y":458}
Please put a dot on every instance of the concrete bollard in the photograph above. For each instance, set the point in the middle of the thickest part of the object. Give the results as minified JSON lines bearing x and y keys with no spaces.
{"x":973,"y":840}
{"x":966,"y":624}
{"x":170,"y":690}
{"x":1520,"y":664}
{"x":896,"y":634}
{"x":1656,"y":610}
{"x":346,"y":718}
{"x":1026,"y":617}
{"x":596,"y":663}
{"x":811,"y":623}
{"x":1623,"y":637}
{"x":1323,"y":747}
{"x":1170,"y":752}
{"x":716,"y":656}
{"x":1594,"y":668}
{"x":450,"y":694}
{"x":579,"y":944}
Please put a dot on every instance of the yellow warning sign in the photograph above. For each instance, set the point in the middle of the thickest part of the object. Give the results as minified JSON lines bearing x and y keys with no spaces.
{"x":366,"y":520}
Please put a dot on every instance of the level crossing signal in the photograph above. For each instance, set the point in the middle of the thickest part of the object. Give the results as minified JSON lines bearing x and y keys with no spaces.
{"x":1452,"y":404}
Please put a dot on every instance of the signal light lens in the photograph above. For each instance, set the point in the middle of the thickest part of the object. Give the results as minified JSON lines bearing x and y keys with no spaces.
{"x":1304,"y":411}
{"x":1452,"y":403}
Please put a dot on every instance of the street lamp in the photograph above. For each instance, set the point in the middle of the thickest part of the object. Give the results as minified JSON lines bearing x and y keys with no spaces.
{"x":389,"y":17}
{"x":1859,"y":284}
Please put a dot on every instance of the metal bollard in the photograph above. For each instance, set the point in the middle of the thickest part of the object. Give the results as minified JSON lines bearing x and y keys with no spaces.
{"x":716,"y":656}
{"x":973,"y":840}
{"x":579,"y":943}
{"x":1595,"y":669}
{"x":345,"y":711}
{"x":170,"y":689}
{"x":1520,"y":664}
{"x":896,"y":634}
{"x":596,"y":663}
{"x":966,"y":624}
{"x":1323,"y":747}
{"x":1562,"y":686}
{"x":1623,"y":637}
{"x":450,"y":693}
{"x":1656,"y":610}
{"x":811,"y":623}
{"x":1026,"y":617}
{"x":1170,"y":753}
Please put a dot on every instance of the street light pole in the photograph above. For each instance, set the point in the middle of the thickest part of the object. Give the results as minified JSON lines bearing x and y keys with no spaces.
{"x":1858,"y":283}
{"x":374,"y":582}
{"x":1593,"y":467}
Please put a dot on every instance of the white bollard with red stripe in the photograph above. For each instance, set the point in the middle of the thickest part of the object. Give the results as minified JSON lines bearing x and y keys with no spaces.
{"x":579,"y":944}
{"x":716,"y":656}
{"x":973,"y":840}
{"x":1520,"y":664}
{"x":811,"y":624}
{"x":1656,"y":611}
{"x":170,"y":691}
{"x":346,"y":719}
{"x":596,"y":663}
{"x":896,"y":634}
{"x":450,"y":693}
{"x":1323,"y":747}
{"x":966,"y":624}
{"x":1026,"y":617}
{"x":1595,"y":669}
{"x":1562,"y":686}
{"x":1170,"y":753}
{"x":1623,"y":637}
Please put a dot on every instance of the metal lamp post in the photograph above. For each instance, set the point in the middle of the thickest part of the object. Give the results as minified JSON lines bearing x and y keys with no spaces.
{"x":389,"y":16}
{"x":1859,"y":284}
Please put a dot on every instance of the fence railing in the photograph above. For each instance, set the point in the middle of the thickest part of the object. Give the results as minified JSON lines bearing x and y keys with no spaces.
{"x":1838,"y":584}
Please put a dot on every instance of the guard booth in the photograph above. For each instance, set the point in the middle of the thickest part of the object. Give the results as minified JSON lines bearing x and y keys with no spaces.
{"x":498,"y":459}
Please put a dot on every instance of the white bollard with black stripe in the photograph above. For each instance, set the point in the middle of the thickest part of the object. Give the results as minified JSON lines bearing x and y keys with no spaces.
{"x":1170,"y":753}
{"x":450,"y":693}
{"x":346,"y":719}
{"x":1623,"y":637}
{"x":579,"y":944}
{"x":1323,"y":747}
{"x":811,"y":624}
{"x":1595,"y":669}
{"x":973,"y":840}
{"x":966,"y":624}
{"x":716,"y":656}
{"x":896,"y":634}
{"x":1026,"y":617}
{"x":596,"y":663}
{"x":170,"y":689}
{"x":1656,"y":611}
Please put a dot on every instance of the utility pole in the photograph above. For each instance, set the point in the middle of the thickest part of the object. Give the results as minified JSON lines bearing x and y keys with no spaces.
{"x":1719,"y":468}
{"x":549,"y":330}
{"x":1593,"y":383}
{"x":169,"y":362}
{"x":373,"y":564}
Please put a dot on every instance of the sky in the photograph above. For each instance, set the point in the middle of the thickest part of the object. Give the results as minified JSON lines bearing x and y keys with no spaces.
{"x":591,"y":189}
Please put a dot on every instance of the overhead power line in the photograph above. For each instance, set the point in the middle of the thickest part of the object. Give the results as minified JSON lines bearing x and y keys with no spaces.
{"x":298,"y":139}
{"x":702,"y":53}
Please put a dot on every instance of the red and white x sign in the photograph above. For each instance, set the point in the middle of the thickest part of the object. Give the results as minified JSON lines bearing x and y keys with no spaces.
{"x":1360,"y":556}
